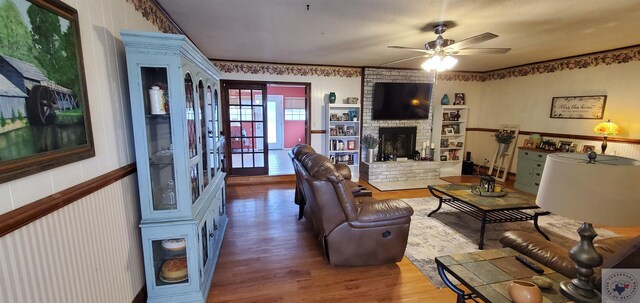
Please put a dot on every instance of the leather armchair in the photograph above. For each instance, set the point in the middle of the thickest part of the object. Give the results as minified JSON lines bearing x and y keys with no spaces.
{"x":352,"y":231}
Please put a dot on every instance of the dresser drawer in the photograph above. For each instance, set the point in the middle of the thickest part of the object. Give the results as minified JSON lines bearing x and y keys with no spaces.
{"x":533,"y":155}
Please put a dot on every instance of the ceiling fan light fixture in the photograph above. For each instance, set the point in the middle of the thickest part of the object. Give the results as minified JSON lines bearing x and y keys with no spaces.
{"x":439,"y":63}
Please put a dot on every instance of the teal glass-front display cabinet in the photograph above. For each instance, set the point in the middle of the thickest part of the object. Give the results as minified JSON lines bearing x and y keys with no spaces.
{"x":175,"y":110}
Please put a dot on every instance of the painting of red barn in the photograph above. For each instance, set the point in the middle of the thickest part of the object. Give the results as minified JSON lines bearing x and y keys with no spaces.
{"x":44,"y":110}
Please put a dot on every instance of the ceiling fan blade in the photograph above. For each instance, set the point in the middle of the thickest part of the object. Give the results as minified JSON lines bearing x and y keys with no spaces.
{"x":402,"y":60}
{"x":471,"y":41}
{"x":477,"y":51}
{"x":410,"y":48}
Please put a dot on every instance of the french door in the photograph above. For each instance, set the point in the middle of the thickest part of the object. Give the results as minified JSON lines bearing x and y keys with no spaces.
{"x":245,"y":128}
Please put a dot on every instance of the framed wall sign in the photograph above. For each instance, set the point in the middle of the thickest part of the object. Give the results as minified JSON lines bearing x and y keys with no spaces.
{"x":44,"y":111}
{"x":578,"y":107}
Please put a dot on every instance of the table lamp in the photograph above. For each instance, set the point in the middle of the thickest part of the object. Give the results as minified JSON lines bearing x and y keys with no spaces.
{"x":604,"y":191}
{"x":606,"y":129}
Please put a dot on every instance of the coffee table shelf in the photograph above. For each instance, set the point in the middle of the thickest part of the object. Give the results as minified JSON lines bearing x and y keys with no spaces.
{"x":487,"y":210}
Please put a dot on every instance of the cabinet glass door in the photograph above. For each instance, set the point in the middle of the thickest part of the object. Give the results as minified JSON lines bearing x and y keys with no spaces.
{"x":211,"y":130}
{"x":204,"y":134}
{"x":191,"y":136}
{"x":170,"y":261}
{"x":158,"y":128}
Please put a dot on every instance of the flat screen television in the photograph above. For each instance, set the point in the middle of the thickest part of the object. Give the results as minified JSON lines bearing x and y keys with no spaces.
{"x":401,"y":101}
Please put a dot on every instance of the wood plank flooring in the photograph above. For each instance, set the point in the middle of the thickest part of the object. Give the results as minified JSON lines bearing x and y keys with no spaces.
{"x":269,"y":256}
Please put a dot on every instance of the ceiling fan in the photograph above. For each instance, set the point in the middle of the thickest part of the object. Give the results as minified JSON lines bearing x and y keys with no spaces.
{"x":441,"y":48}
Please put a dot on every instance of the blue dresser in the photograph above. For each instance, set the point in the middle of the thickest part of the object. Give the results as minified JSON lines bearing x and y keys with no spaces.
{"x":529,"y":171}
{"x":175,"y":110}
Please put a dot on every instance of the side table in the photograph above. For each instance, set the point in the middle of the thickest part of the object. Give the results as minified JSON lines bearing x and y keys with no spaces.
{"x":488,"y":273}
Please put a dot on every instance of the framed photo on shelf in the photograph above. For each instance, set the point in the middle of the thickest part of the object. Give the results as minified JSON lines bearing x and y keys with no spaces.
{"x":351,"y":144}
{"x":349,"y":130}
{"x":334,"y":117}
{"x":444,"y":143}
{"x":459,"y":144}
{"x":339,"y":130}
{"x":459,"y":99}
{"x":456,"y":128}
{"x":452,"y":143}
{"x":449,"y":131}
{"x":443,"y":157}
{"x":345,"y":117}
{"x":564,"y":146}
{"x":445,"y":116}
{"x":333,"y":131}
{"x":588,"y":148}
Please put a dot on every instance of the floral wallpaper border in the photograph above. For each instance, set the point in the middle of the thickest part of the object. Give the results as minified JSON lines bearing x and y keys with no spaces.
{"x":619,"y":56}
{"x":152,"y":12}
{"x":293,"y":70}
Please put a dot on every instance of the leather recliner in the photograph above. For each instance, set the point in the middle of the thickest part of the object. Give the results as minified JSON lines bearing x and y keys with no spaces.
{"x":298,"y":153}
{"x":352,"y":231}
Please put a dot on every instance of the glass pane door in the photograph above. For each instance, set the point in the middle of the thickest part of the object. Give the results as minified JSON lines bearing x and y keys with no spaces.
{"x":247,"y":138}
{"x":158,"y":124}
{"x":191,"y":134}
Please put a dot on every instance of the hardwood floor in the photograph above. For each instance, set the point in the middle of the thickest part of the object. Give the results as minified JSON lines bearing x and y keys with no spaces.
{"x":269,"y":256}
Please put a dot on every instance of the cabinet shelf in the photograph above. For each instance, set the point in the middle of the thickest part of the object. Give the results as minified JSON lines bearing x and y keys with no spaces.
{"x":446,"y":151}
{"x":345,"y":149}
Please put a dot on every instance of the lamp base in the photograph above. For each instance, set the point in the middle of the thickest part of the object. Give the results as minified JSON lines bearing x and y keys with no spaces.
{"x":603,"y":146}
{"x":586,"y":258}
{"x":580,"y":295}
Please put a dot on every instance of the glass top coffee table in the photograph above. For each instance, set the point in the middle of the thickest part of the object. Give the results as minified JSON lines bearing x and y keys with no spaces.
{"x":487,"y":209}
{"x":488,"y":273}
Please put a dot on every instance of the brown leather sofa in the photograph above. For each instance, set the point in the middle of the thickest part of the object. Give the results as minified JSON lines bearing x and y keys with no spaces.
{"x":617,"y":252}
{"x":352,"y":231}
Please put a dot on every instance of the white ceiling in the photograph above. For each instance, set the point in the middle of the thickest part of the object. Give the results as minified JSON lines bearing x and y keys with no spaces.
{"x":357,"y":32}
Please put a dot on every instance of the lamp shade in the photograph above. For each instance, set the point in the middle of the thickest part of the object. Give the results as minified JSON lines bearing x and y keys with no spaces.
{"x":606,"y":192}
{"x":607,"y":128}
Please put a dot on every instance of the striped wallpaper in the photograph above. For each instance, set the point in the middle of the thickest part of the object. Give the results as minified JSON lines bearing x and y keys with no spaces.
{"x":89,"y":251}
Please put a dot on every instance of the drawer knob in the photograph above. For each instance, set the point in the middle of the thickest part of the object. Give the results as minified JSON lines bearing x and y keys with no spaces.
{"x":539,"y":165}
{"x":538,"y":174}
{"x":539,"y":156}
{"x":537,"y":184}
{"x":526,"y":153}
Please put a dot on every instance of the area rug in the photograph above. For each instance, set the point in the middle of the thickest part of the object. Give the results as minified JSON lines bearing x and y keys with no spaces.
{"x":449,"y":231}
{"x":400,"y":185}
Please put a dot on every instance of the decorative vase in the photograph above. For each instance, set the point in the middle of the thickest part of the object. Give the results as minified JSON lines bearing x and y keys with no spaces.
{"x":444,"y":100}
{"x":370,"y":155}
{"x":524,"y":292}
{"x":502,"y":149}
{"x":332,"y":97}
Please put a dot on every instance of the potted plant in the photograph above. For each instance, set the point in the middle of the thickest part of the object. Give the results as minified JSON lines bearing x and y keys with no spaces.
{"x":504,"y":138}
{"x":369,"y":142}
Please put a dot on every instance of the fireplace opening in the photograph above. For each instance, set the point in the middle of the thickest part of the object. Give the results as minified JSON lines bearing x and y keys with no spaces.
{"x":396,"y":142}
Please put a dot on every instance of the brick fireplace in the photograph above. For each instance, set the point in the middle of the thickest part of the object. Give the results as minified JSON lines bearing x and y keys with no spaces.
{"x":401,"y":170}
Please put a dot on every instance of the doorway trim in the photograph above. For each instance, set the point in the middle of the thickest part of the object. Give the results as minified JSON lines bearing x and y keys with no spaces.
{"x":225,"y":109}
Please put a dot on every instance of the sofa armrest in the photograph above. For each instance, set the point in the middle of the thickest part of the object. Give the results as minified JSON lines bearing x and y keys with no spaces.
{"x":539,"y":249}
{"x":343,"y":170}
{"x":383,"y":211}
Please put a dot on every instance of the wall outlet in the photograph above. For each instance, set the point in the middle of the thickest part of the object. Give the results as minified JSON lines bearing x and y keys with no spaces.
{"x":299,"y":139}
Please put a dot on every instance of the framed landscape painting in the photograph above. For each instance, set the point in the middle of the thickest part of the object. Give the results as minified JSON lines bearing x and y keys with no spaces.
{"x":44,"y":111}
